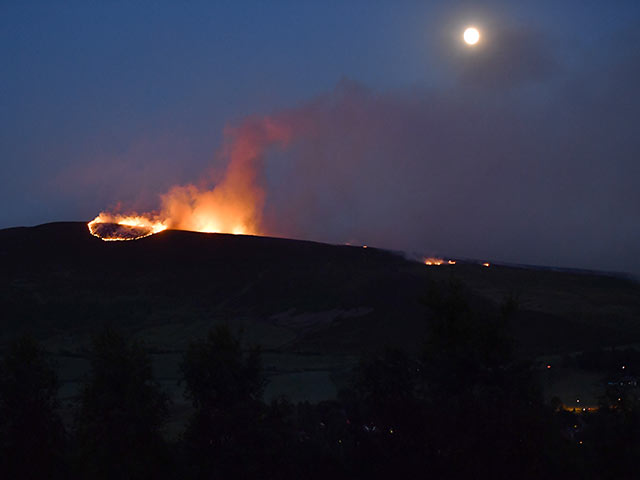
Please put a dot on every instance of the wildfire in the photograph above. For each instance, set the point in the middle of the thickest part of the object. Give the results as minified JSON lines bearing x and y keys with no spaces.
{"x":233,"y":205}
{"x":119,"y":227}
{"x":433,"y":261}
{"x":437,"y":261}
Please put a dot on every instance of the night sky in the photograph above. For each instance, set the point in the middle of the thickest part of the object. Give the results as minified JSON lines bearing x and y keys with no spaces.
{"x":525,"y":148}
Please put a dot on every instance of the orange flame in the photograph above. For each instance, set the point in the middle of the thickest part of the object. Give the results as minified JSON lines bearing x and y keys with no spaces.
{"x":233,"y":205}
{"x":433,"y":261}
{"x":437,"y":261}
{"x":140,"y":226}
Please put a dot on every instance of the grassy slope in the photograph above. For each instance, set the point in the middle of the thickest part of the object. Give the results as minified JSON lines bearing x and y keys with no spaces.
{"x":313,"y":307}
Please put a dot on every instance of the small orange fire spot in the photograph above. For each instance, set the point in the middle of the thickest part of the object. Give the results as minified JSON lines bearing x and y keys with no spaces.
{"x":364,"y":246}
{"x":451,"y":262}
{"x":486,"y":264}
{"x":433,"y":261}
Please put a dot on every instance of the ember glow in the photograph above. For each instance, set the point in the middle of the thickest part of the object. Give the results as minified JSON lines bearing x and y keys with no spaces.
{"x":437,"y":261}
{"x":118,"y":227}
{"x":433,"y":261}
{"x":231,"y":205}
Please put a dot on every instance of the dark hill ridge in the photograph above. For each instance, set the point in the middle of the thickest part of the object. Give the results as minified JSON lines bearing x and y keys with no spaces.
{"x":58,"y":279}
{"x":313,"y":307}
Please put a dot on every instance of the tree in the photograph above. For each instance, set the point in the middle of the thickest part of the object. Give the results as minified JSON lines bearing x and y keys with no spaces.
{"x":31,"y":432}
{"x":468,"y":341}
{"x":386,"y":414}
{"x":121,"y":413}
{"x":225,"y":386}
{"x":484,"y":404}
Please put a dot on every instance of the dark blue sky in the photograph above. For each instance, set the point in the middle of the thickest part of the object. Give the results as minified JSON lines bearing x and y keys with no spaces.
{"x":107,"y":102}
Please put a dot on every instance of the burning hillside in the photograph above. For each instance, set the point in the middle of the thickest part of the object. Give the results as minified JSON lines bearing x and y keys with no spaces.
{"x":233,"y":204}
{"x":117,"y":227}
{"x":437,"y":261}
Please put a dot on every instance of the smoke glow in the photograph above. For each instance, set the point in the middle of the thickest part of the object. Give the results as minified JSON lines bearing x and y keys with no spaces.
{"x":232,"y":205}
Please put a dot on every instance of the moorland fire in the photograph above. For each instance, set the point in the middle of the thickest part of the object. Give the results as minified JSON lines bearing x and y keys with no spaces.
{"x":437,"y":261}
{"x":110,"y":227}
{"x":232,"y":205}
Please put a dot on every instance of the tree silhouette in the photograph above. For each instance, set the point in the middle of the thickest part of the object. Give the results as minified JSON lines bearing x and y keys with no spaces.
{"x":383,"y":403}
{"x":468,"y":341}
{"x":121,"y":412}
{"x":483,"y":403}
{"x":225,"y":385}
{"x":31,"y":432}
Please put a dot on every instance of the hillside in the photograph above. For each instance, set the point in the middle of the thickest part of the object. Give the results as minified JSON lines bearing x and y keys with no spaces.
{"x":312,"y":307}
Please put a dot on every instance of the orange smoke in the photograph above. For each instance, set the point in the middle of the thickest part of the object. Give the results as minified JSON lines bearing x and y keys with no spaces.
{"x":232,"y":205}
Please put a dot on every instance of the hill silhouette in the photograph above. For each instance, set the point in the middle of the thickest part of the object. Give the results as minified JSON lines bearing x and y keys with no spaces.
{"x":313,"y":307}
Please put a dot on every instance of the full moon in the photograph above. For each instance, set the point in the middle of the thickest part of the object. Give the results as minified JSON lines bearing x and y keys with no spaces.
{"x":471,"y":36}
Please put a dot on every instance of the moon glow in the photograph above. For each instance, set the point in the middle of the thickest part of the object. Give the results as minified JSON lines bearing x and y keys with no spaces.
{"x":471,"y":36}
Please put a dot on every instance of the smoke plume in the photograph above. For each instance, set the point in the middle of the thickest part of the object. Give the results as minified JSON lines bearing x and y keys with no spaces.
{"x":544,"y":172}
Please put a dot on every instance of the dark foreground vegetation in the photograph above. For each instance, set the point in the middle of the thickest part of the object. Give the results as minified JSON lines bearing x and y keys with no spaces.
{"x":464,"y":407}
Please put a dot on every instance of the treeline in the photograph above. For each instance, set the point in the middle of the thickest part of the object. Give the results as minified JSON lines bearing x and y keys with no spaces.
{"x":464,"y":407}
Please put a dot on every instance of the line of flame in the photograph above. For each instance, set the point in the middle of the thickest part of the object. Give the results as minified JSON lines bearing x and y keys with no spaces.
{"x":437,"y":261}
{"x":141,"y":221}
